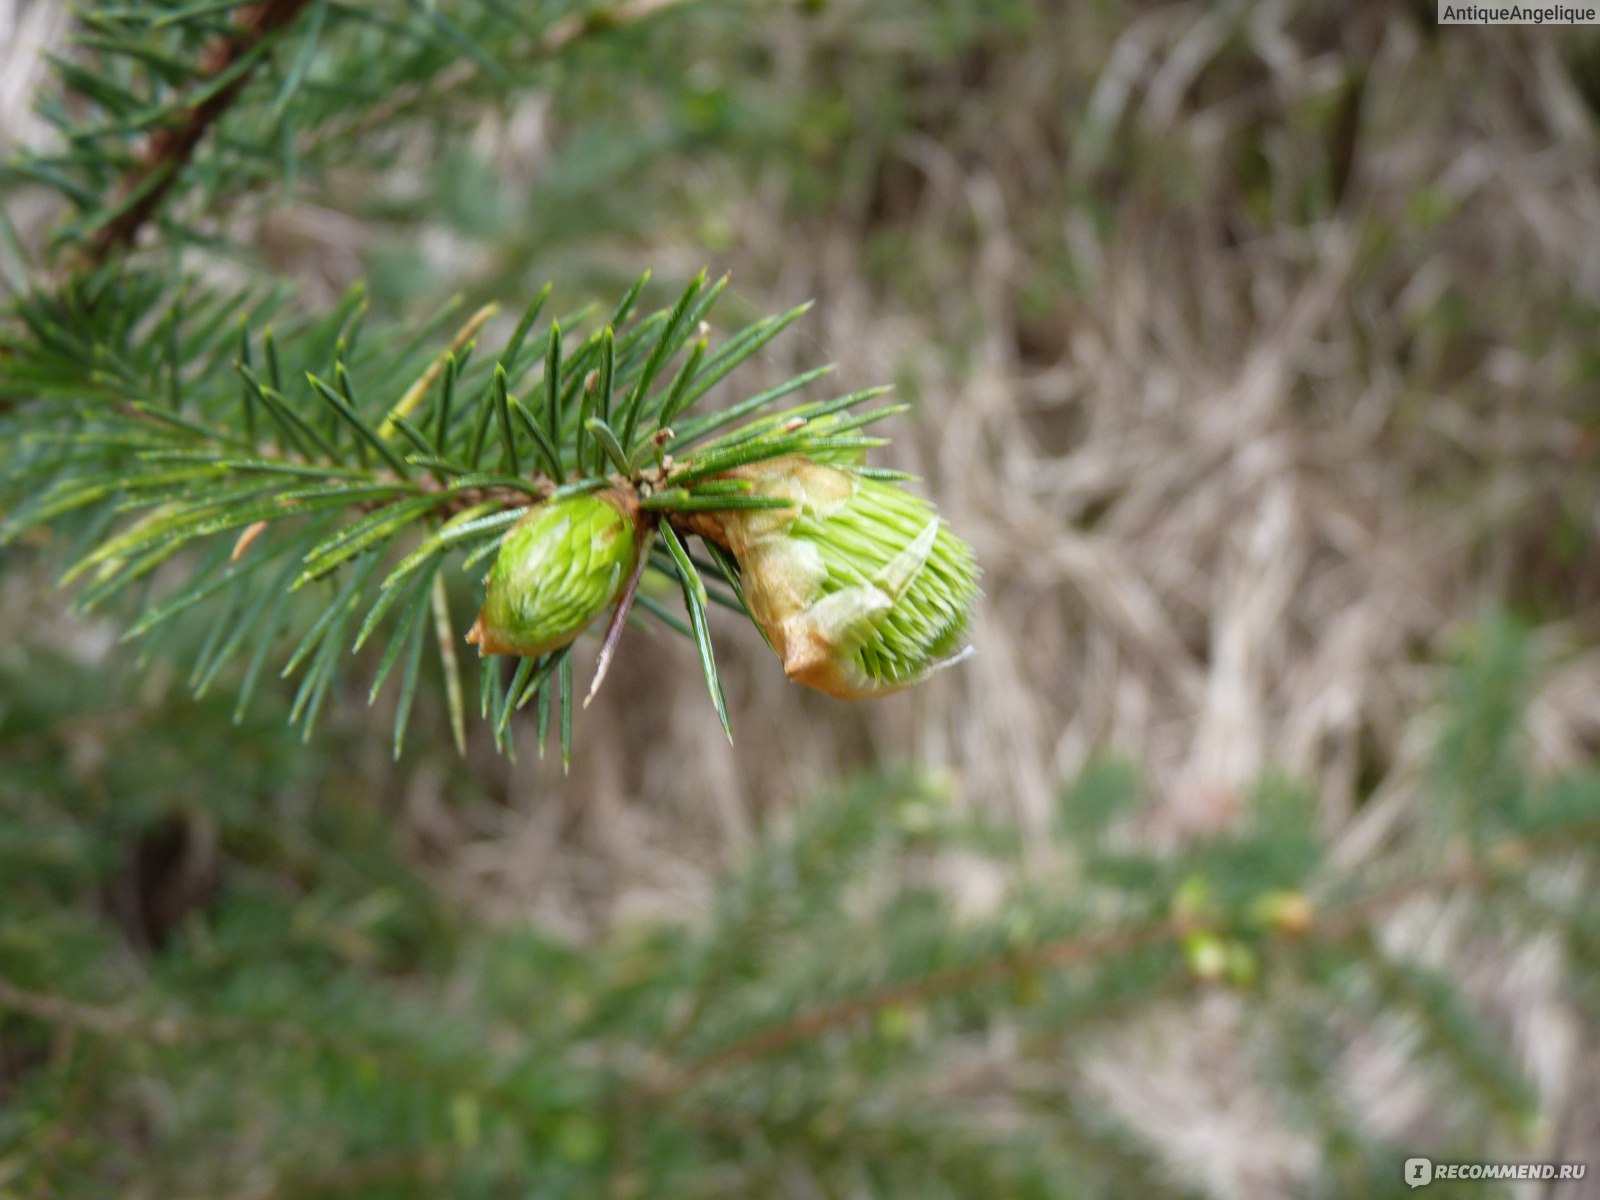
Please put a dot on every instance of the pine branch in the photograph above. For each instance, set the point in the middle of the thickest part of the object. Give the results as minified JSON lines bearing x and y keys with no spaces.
{"x":1479,"y":874}
{"x":145,"y":186}
{"x":71,"y":1014}
{"x":157,"y":83}
{"x":565,"y":32}
{"x":328,"y":451}
{"x":812,"y":1023}
{"x":322,"y":450}
{"x":928,"y":1015}
{"x":1345,"y":926}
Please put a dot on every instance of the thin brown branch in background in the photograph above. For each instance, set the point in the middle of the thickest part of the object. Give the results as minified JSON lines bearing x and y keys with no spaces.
{"x":807,"y":1025}
{"x":556,"y":38}
{"x":1472,"y":872}
{"x":59,"y":1011}
{"x":167,"y":150}
{"x":1479,"y":873}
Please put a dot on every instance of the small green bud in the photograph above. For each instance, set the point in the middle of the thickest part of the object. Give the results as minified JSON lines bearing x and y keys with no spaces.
{"x":1207,"y":956}
{"x":1288,"y":913}
{"x":558,"y":569}
{"x":858,"y":586}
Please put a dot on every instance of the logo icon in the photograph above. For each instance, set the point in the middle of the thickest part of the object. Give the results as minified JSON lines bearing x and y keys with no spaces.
{"x":1419,"y":1171}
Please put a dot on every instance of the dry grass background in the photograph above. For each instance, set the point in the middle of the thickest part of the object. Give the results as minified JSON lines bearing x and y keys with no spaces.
{"x":1252,"y":355}
{"x":1251,"y":346}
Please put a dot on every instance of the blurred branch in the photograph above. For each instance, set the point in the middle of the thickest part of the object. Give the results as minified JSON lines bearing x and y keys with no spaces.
{"x":407,"y":1168}
{"x":807,"y":1025}
{"x":167,"y":150}
{"x":1474,"y":871}
{"x":562,"y":34}
{"x":70,"y":1014}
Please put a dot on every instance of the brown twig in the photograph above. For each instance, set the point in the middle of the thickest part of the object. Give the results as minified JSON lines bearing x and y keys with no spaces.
{"x":556,"y":38}
{"x":69,"y":1014}
{"x":1478,"y":872}
{"x":167,"y":150}
{"x":807,"y":1025}
{"x":409,"y":1167}
{"x":1332,"y":927}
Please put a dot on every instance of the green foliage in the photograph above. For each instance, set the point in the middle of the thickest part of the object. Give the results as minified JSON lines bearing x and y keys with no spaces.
{"x":202,"y":452}
{"x":812,"y":1028}
{"x":222,"y":969}
{"x":361,"y":462}
{"x":268,"y":93}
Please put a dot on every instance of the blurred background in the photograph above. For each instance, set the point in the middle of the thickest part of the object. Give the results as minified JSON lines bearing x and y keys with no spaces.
{"x":1253,"y":348}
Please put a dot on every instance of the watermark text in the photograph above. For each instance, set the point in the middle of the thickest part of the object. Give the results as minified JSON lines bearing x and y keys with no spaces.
{"x":1518,"y":14}
{"x":1421,"y":1171}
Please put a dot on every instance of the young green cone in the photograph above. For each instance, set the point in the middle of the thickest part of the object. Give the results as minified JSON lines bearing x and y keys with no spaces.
{"x":858,"y":587}
{"x":558,"y":569}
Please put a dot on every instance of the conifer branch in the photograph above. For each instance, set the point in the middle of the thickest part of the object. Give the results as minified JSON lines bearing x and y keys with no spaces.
{"x":322,"y":449}
{"x":563,"y":33}
{"x":323,"y":454}
{"x":68,"y":1014}
{"x":168,"y":150}
{"x":1479,"y":873}
{"x":812,"y":1023}
{"x":163,"y":78}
